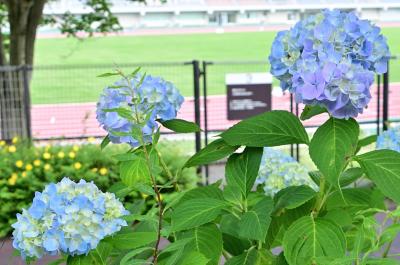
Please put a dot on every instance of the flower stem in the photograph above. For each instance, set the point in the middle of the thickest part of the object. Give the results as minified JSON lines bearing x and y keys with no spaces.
{"x":153,"y":179}
{"x":389,"y":245}
{"x":160,"y":206}
{"x":166,"y":169}
{"x":321,"y":197}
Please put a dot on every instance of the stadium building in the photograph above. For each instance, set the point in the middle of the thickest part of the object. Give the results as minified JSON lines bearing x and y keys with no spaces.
{"x":206,"y":13}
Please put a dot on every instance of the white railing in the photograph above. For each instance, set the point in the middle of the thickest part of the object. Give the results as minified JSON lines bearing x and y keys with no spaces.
{"x":78,"y":6}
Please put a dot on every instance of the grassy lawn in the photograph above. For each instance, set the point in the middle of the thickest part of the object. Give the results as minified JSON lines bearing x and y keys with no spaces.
{"x":82,"y":61}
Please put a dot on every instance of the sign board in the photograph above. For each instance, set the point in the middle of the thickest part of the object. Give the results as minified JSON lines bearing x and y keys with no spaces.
{"x":248,"y":94}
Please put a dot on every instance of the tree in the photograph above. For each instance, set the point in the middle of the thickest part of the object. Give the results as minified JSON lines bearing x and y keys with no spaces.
{"x":17,"y":45}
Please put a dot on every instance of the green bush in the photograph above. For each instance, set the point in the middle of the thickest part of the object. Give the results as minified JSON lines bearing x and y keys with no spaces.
{"x":25,"y":168}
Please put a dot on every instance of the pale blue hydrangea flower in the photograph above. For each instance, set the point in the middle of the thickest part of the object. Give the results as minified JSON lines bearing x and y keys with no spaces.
{"x":150,"y":100}
{"x":329,"y":60}
{"x":279,"y":170}
{"x":69,"y":218}
{"x":389,"y":139}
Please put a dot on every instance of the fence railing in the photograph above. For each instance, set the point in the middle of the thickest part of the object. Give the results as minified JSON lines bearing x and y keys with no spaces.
{"x":15,"y":118}
{"x":62,"y":99}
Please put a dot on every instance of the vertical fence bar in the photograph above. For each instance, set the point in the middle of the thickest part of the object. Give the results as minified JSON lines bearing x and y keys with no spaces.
{"x":205,"y":111}
{"x":385,"y":102}
{"x":378,"y":106}
{"x":196,"y":86}
{"x":27,"y":100}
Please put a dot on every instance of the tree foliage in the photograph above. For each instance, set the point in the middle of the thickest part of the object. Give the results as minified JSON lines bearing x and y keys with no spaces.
{"x":21,"y":20}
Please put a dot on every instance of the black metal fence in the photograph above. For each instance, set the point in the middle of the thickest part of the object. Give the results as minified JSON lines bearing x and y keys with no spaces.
{"x":15,"y":118}
{"x":61,"y":102}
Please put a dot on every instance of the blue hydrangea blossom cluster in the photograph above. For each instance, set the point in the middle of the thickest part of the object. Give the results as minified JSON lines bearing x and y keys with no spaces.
{"x":329,"y":60}
{"x":279,"y":170}
{"x":389,"y":139}
{"x":149,"y":99}
{"x":67,"y":217}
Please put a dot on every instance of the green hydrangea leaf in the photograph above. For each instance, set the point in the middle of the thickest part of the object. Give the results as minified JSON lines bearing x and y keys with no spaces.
{"x":242,"y":169}
{"x":311,"y":111}
{"x":333,"y":144}
{"x":181,"y":126}
{"x":273,"y":128}
{"x":308,"y":239}
{"x":383,"y":168}
{"x":293,"y":196}
{"x":207,"y":240}
{"x":196,"y":212}
{"x":255,"y":222}
{"x":211,"y":153}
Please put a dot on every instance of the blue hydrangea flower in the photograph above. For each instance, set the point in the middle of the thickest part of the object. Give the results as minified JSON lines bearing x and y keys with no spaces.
{"x":67,"y":217}
{"x":149,"y":100}
{"x":279,"y":170}
{"x":389,"y":139}
{"x":329,"y":60}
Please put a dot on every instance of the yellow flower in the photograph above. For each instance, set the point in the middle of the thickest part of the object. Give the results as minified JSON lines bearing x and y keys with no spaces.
{"x":103,"y":171}
{"x":12,"y":149}
{"x":24,"y":174}
{"x":15,"y":140}
{"x":2,"y":143}
{"x":91,"y":139}
{"x":61,"y":154}
{"x":72,"y":155}
{"x":19,"y":164}
{"x":13,"y":179}
{"x":94,"y":169}
{"x":75,"y":148}
{"x":28,"y":167}
{"x":77,"y":165}
{"x":144,"y":196}
{"x":47,"y":167}
{"x":37,"y":163}
{"x":46,"y":155}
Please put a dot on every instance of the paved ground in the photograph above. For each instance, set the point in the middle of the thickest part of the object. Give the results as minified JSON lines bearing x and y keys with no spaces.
{"x":75,"y":120}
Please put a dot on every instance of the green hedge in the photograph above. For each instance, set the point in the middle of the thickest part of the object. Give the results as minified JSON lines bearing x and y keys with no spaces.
{"x":25,"y":168}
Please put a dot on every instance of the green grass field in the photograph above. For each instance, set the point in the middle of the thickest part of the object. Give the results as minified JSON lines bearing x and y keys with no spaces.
{"x":79,"y":62}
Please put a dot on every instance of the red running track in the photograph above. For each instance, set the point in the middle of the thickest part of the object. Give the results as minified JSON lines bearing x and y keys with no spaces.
{"x":79,"y":119}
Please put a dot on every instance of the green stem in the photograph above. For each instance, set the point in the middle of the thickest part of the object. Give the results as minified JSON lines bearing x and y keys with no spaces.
{"x":321,"y":197}
{"x":244,"y":207}
{"x":160,"y":206}
{"x":153,"y":180}
{"x":259,"y":245}
{"x":376,"y":243}
{"x":389,"y":245}
{"x":226,"y":255}
{"x":166,"y":169}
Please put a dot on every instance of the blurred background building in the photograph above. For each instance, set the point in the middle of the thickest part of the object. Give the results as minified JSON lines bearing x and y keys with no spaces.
{"x":201,"y":13}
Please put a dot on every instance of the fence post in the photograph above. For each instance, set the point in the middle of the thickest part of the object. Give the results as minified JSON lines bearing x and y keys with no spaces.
{"x":27,"y":100}
{"x":385,"y":103}
{"x":378,"y":106}
{"x":205,"y":111}
{"x":196,"y":86}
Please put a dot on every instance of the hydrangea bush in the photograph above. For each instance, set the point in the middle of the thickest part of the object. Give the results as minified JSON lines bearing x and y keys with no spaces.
{"x":279,"y":170}
{"x":389,"y":139}
{"x":150,"y":98}
{"x":329,"y":60}
{"x":67,"y":217}
{"x":231,"y":220}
